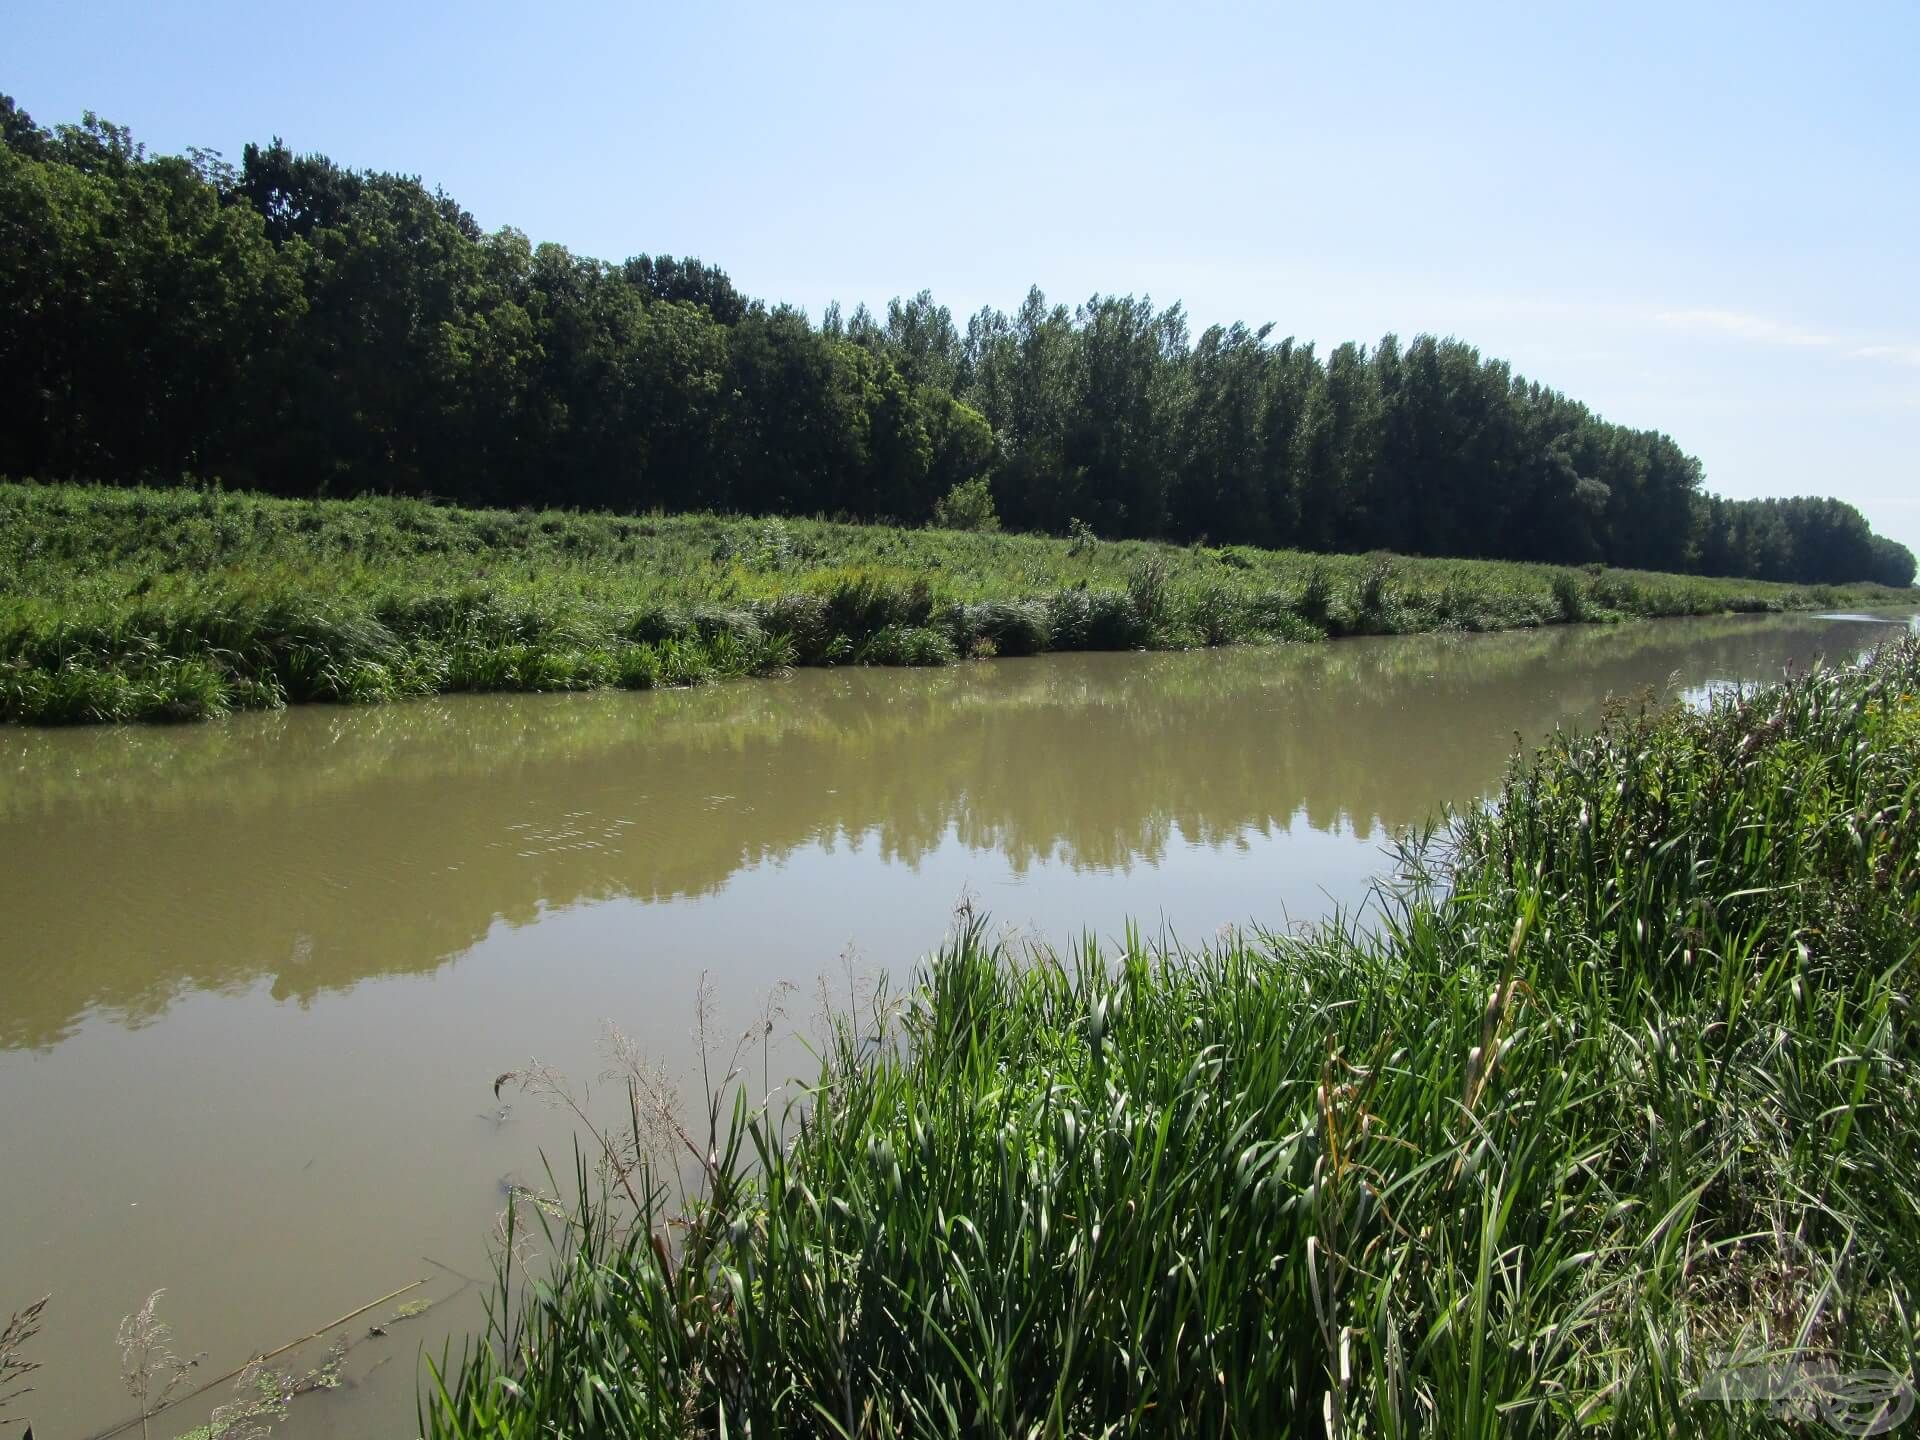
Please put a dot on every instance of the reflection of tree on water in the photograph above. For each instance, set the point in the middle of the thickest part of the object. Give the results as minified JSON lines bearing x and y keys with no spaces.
{"x":325,"y":846}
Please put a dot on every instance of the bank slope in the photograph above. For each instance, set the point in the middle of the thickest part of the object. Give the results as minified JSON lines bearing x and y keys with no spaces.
{"x":136,"y":604}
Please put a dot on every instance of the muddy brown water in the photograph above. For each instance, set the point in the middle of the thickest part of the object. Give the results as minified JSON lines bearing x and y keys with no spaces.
{"x":257,"y":976}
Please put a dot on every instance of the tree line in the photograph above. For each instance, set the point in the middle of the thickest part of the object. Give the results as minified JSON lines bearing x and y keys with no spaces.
{"x":293,"y":326}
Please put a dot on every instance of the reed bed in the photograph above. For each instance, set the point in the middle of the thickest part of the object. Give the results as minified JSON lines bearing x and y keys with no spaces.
{"x":138,"y":604}
{"x":1609,"y":1101}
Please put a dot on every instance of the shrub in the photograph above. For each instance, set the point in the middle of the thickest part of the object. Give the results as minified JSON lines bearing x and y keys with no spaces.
{"x":968,"y":506}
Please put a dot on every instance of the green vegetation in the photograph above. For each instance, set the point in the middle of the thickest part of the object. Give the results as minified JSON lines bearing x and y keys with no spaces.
{"x":293,"y":326}
{"x":1615,"y":1093}
{"x":133,"y":604}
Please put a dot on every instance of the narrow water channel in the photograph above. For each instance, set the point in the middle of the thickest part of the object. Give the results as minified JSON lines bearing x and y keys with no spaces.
{"x":257,"y":977}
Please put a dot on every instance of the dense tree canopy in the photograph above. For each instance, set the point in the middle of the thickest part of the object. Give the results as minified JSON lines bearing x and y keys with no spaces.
{"x":296,"y":327}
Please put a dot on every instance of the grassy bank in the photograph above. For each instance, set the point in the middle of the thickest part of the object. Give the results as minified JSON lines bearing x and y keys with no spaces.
{"x":131,"y":604}
{"x":1627,"y":1103}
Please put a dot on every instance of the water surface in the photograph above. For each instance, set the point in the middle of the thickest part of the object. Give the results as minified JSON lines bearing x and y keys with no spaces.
{"x":256,"y":977}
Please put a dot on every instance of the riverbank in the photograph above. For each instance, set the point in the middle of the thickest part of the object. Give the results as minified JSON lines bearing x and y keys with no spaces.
{"x":1581,"y":1140}
{"x":139,"y":604}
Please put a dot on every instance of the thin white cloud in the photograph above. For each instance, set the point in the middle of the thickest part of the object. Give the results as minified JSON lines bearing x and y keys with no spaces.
{"x":1763,"y":330}
{"x":1896,"y":354}
{"x":1739,"y":325}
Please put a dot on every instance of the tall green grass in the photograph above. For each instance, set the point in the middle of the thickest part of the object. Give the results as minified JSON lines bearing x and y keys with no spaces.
{"x":1614,"y":1092}
{"x":135,"y":604}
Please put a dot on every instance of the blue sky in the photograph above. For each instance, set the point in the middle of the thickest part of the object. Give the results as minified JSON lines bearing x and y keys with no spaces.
{"x":1696,"y":217}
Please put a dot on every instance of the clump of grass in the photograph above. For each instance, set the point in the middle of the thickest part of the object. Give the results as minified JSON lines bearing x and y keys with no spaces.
{"x":19,"y":1331}
{"x":1616,"y":1085}
{"x":1570,"y":595}
{"x":1011,"y":627}
{"x":1315,"y":604}
{"x":906,"y":645}
{"x":149,"y":1369}
{"x":131,"y":604}
{"x":261,"y":1394}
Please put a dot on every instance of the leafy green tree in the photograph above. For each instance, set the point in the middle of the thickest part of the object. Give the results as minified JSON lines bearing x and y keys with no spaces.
{"x":923,"y":342}
{"x":1892,"y":563}
{"x":661,"y":277}
{"x":1126,"y":393}
{"x":134,"y":303}
{"x":1024,"y":382}
{"x":1221,"y":487}
{"x":295,"y":195}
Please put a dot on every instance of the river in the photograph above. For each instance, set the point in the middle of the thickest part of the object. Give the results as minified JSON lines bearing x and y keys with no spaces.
{"x":257,"y":976}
